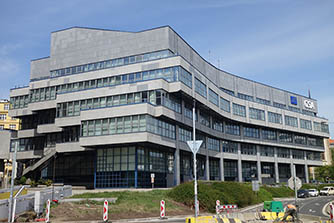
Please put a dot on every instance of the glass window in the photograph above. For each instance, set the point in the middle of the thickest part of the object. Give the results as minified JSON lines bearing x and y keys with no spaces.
{"x":274,"y":117}
{"x":225,"y":105}
{"x":305,"y":124}
{"x":213,"y":97}
{"x":233,"y":129}
{"x":239,"y":110}
{"x":245,"y":97}
{"x":200,"y":88}
{"x":291,"y":121}
{"x":269,"y":134}
{"x":251,"y":132}
{"x":256,"y":114}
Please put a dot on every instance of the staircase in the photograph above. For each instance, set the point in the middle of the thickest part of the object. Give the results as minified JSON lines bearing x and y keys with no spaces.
{"x":48,"y":153}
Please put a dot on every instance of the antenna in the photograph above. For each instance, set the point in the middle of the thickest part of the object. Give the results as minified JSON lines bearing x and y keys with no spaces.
{"x":309,"y":93}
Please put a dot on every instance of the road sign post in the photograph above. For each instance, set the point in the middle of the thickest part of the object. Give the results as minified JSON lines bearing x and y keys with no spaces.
{"x":152,"y":179}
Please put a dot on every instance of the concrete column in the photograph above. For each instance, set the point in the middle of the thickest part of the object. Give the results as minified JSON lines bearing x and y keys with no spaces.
{"x":207,"y":168}
{"x":307,"y":180}
{"x":306,"y":169}
{"x":239,"y":163}
{"x":291,"y":163}
{"x":177,"y":179}
{"x":221,"y":164}
{"x":258,"y":162}
{"x":276,"y":166}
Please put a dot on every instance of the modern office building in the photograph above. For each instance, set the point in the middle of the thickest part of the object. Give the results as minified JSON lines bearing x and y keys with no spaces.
{"x":108,"y":108}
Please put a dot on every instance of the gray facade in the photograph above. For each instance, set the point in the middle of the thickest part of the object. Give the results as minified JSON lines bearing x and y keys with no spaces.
{"x":125,"y":98}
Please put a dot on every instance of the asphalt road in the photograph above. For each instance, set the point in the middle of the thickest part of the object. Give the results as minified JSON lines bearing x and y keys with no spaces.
{"x":311,"y":206}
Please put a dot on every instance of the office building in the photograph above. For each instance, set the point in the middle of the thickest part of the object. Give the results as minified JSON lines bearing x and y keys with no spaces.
{"x":109,"y":108}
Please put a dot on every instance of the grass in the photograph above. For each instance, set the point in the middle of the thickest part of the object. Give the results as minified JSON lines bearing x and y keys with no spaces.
{"x":208,"y":192}
{"x":132,"y":200}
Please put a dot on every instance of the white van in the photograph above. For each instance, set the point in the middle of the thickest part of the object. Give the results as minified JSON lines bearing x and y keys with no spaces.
{"x":327,"y":191}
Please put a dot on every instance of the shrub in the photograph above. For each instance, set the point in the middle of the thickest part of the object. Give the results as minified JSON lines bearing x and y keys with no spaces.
{"x":33,"y":183}
{"x":281,"y":191}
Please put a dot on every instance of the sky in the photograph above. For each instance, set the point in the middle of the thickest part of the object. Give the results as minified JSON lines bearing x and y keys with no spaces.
{"x":282,"y":43}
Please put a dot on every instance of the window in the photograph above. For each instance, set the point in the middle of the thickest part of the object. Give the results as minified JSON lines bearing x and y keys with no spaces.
{"x":291,"y":121}
{"x":317,"y":126}
{"x":248,"y":149}
{"x":227,"y":91}
{"x":233,"y":129}
{"x":213,"y":97}
{"x":297,"y":154}
{"x":225,"y":105}
{"x":204,"y":118}
{"x":299,"y":139}
{"x":274,"y":117}
{"x":256,"y":114}
{"x":294,"y":109}
{"x":12,"y":126}
{"x":279,"y":105}
{"x":6,"y":106}
{"x":324,"y":127}
{"x":283,"y":153}
{"x":2,"y":127}
{"x":217,"y":125}
{"x":186,"y":77}
{"x":269,"y":134}
{"x":184,"y":135}
{"x":251,"y":132}
{"x":229,"y":147}
{"x":3,"y":116}
{"x":239,"y":110}
{"x":285,"y":137}
{"x":305,"y":124}
{"x":213,"y":144}
{"x":263,"y":101}
{"x":200,"y":88}
{"x":267,"y":151}
{"x":245,"y":97}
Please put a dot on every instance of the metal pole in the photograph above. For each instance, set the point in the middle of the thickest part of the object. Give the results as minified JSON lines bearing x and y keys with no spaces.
{"x":195,"y":166}
{"x":12,"y":181}
{"x":54,"y":176}
{"x":294,"y":182}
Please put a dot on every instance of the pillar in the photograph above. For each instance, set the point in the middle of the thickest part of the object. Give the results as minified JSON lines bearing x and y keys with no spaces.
{"x":276,"y":166}
{"x":258,"y":162}
{"x":221,"y":164}
{"x":207,"y":168}
{"x":177,"y":158}
{"x":239,"y":163}
{"x":307,"y":180}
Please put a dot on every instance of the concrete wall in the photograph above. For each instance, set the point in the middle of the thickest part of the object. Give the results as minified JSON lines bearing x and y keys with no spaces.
{"x":27,"y":202}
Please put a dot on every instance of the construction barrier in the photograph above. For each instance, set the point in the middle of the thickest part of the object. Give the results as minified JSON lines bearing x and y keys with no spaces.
{"x":212,"y":219}
{"x":271,"y":215}
{"x":162,"y":209}
{"x":105,"y":211}
{"x":47,"y":215}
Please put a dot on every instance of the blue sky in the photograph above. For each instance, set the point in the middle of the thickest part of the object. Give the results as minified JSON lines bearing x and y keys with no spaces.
{"x":282,"y":43}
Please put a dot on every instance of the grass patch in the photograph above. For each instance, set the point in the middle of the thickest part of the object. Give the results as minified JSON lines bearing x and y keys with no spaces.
{"x":137,"y":201}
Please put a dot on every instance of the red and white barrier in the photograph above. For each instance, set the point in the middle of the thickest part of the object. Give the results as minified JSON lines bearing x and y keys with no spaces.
{"x":105,"y":211}
{"x":217,"y":206}
{"x":47,"y":214}
{"x":331,"y":211}
{"x":162,"y":209}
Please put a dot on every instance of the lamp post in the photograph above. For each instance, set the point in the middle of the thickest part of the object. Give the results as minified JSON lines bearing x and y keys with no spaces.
{"x":12,"y":181}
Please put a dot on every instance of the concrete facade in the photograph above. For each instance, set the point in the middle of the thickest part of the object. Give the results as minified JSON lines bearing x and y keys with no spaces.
{"x":78,"y":63}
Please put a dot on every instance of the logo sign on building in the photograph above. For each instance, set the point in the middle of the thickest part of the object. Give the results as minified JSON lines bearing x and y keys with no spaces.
{"x":194,"y":147}
{"x":162,"y":209}
{"x":293,"y":100}
{"x":309,"y":104}
{"x":105,"y":211}
{"x":47,"y":214}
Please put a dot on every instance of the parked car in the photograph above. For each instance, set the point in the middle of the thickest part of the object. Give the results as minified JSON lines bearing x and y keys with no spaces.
{"x":327,"y":191}
{"x":313,"y":192}
{"x":303,"y":193}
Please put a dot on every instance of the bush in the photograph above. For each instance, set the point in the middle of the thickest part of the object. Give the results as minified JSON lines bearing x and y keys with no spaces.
{"x":227,"y":192}
{"x":281,"y":191}
{"x":33,"y":183}
{"x":20,"y":181}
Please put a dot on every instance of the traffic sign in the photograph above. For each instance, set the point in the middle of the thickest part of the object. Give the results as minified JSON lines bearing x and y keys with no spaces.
{"x":194,"y":148}
{"x":162,"y":209}
{"x":291,"y":183}
{"x":105,"y":211}
{"x":217,"y":206}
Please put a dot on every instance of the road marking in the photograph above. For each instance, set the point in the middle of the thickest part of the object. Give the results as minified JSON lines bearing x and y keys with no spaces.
{"x":317,"y":204}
